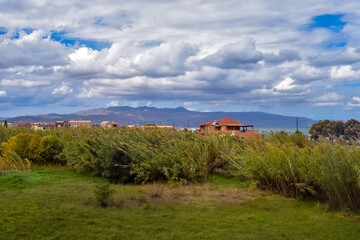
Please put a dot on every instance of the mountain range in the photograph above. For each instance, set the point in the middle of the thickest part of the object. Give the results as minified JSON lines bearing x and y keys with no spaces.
{"x":178,"y":117}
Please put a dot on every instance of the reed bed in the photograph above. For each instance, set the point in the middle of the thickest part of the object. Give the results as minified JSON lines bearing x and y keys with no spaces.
{"x":299,"y":168}
{"x":290,"y":164}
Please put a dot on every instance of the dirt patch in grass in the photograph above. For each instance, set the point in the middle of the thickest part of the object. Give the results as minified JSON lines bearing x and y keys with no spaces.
{"x":203,"y":195}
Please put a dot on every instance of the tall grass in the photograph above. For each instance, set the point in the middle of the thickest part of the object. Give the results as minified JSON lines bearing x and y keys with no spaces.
{"x":149,"y":155}
{"x":13,"y":162}
{"x":289,"y":164}
{"x":300,"y":168}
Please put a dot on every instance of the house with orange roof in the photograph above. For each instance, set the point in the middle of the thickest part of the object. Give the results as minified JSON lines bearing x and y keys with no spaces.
{"x":229,"y":126}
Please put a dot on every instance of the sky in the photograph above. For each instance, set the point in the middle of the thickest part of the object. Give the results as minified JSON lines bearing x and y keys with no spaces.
{"x":295,"y":58}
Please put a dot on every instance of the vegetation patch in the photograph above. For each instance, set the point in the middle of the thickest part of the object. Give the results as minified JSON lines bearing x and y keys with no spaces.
{"x":68,"y":210}
{"x":291,"y":164}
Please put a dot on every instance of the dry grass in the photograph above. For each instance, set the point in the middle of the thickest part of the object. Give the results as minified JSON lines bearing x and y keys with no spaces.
{"x":163,"y":194}
{"x":6,"y":164}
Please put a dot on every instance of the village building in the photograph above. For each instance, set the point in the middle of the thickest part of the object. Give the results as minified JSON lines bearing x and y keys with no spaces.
{"x":80,"y":124}
{"x":49,"y":126}
{"x":229,"y":126}
{"x":109,"y":124}
{"x":11,"y":125}
{"x":42,"y":126}
{"x":23,"y":125}
{"x":62,"y":124}
{"x":73,"y":124}
{"x":37,"y":126}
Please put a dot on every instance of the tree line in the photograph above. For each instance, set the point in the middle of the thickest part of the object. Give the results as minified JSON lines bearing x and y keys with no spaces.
{"x":330,"y":129}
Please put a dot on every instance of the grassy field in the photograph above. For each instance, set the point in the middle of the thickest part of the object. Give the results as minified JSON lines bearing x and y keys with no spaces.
{"x":57,"y":203}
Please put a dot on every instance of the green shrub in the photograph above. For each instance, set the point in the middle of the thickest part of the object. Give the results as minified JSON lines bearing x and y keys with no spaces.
{"x":51,"y":150}
{"x":103,"y":194}
{"x":117,"y":167}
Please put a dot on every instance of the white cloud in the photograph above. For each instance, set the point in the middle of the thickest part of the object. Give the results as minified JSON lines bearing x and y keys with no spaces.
{"x":329,"y":87}
{"x":190,"y":103}
{"x":285,"y":84}
{"x":242,"y":54}
{"x":31,"y":49}
{"x":62,"y":90}
{"x":344,"y":73}
{"x":356,"y":99}
{"x":3,"y":93}
{"x":354,"y":103}
{"x":168,"y":59}
{"x":306,"y":73}
{"x":83,"y":54}
{"x":326,"y":104}
{"x":87,"y":93}
{"x":22,"y":83}
{"x":133,"y":104}
{"x":114,"y":103}
{"x":329,"y":99}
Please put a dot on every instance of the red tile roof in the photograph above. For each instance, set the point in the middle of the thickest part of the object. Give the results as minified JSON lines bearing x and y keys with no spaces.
{"x":224,"y":121}
{"x":206,"y":123}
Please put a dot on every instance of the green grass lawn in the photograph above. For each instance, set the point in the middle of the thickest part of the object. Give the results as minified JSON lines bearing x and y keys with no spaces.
{"x":56,"y":203}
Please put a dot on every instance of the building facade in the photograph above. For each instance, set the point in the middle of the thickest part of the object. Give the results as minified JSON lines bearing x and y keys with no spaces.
{"x":62,"y":124}
{"x":73,"y":124}
{"x":80,"y":124}
{"x":229,"y":126}
{"x":109,"y":124}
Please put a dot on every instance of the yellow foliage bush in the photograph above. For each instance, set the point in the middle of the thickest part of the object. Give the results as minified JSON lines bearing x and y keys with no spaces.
{"x":32,"y":147}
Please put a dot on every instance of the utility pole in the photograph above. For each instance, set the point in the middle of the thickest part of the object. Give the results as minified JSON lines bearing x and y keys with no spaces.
{"x":297,"y":124}
{"x":188,"y":124}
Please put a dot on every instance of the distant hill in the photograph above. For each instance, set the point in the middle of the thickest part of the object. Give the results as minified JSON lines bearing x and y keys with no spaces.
{"x":178,"y":117}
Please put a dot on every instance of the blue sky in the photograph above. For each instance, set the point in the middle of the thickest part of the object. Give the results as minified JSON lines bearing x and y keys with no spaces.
{"x":289,"y":57}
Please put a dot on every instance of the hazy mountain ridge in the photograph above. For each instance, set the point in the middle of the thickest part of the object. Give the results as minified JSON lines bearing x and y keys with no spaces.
{"x":178,"y":117}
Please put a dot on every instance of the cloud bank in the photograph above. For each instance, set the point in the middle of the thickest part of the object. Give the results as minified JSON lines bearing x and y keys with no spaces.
{"x":283,"y":57}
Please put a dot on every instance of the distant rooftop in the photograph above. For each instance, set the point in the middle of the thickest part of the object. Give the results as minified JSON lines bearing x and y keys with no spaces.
{"x":223,"y":121}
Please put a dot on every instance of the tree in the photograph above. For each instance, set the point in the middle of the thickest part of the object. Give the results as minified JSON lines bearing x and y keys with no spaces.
{"x":338,"y":128}
{"x":352,"y":129}
{"x":327,"y":129}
